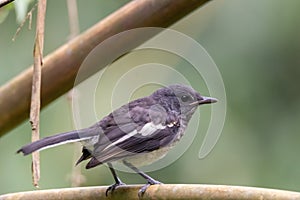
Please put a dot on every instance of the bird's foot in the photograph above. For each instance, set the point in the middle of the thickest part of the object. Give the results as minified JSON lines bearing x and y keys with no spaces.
{"x":145,"y":187}
{"x":113,"y":187}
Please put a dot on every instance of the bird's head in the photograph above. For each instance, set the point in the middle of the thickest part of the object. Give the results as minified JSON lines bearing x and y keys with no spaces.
{"x":181,"y":98}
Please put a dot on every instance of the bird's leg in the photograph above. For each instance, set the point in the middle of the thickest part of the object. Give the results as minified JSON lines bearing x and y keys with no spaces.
{"x":150,"y":180}
{"x":118,"y":181}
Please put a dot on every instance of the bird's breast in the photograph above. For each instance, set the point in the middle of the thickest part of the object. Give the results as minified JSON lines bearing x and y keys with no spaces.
{"x":143,"y":159}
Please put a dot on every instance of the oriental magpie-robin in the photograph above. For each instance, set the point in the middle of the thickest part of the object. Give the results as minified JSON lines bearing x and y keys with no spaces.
{"x":136,"y":134}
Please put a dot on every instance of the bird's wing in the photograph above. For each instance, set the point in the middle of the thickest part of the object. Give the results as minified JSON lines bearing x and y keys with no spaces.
{"x":152,"y":130}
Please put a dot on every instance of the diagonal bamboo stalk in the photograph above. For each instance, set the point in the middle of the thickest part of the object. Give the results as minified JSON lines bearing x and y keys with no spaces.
{"x":60,"y":67}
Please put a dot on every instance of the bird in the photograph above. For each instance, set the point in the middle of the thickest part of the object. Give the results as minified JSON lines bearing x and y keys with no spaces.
{"x":136,"y":134}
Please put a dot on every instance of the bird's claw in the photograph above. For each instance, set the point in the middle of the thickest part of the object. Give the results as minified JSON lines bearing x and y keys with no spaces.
{"x":113,"y":187}
{"x":145,"y":187}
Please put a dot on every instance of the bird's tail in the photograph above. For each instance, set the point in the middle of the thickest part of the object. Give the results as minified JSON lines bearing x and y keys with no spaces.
{"x":59,"y":139}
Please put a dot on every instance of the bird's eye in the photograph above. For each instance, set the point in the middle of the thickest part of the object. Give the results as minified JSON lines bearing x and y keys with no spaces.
{"x":186,"y":98}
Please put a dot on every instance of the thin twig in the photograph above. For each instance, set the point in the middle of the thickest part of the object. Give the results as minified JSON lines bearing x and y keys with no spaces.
{"x":29,"y":18}
{"x":77,"y":178}
{"x":73,"y":18}
{"x":36,"y":86}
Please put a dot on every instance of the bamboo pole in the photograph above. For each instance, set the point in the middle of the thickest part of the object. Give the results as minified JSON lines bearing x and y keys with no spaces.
{"x":164,"y":191}
{"x":60,"y":67}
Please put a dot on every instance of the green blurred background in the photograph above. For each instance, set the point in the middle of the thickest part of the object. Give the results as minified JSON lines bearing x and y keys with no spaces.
{"x":255,"y":44}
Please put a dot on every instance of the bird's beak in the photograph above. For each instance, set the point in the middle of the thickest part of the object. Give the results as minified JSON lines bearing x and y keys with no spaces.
{"x":205,"y":100}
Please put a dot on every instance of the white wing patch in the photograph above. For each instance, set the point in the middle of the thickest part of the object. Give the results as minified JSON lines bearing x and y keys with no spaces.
{"x":125,"y":137}
{"x":147,"y":129}
{"x":150,"y":128}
